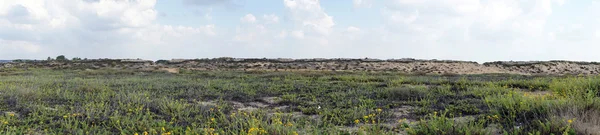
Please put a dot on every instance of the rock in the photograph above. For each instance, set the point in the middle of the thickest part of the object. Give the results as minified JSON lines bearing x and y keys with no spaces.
{"x":258,"y":104}
{"x":271,"y":100}
{"x":402,"y":112}
{"x":464,"y":119}
{"x":280,"y":108}
{"x":237,"y":104}
{"x":209,"y":103}
{"x":494,"y":129}
{"x":248,"y":109}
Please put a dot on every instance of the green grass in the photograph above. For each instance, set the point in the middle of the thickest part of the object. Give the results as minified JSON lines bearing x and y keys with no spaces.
{"x":40,"y":101}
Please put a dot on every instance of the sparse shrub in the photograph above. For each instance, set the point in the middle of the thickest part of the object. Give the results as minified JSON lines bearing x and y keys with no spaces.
{"x":403,"y":93}
{"x":440,"y":123}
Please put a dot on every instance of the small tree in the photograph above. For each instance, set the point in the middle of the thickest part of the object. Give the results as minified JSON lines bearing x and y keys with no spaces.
{"x":76,"y":58}
{"x":49,"y":59}
{"x":61,"y":58}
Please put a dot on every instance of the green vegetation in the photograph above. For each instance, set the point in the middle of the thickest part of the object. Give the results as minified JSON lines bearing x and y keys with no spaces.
{"x":40,"y":101}
{"x":61,"y":58}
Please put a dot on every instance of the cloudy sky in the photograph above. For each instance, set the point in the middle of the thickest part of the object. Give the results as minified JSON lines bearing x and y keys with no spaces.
{"x":475,"y":30}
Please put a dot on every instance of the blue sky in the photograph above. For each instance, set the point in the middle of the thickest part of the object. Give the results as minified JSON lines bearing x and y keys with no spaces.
{"x":474,"y":30}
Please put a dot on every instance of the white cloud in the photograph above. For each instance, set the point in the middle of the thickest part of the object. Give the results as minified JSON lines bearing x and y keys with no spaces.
{"x":297,"y":34}
{"x":441,"y":29}
{"x":282,"y":34}
{"x":249,"y":18}
{"x":102,"y":28}
{"x":19,"y":46}
{"x":560,"y":2}
{"x":271,"y":18}
{"x":352,"y":32}
{"x":362,"y":3}
{"x":309,"y":15}
{"x":352,"y":29}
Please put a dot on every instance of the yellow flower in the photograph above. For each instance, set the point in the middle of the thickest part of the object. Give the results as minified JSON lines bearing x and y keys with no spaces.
{"x":212,"y":109}
{"x":145,"y":133}
{"x":163,"y":128}
{"x":5,"y":122}
{"x":65,"y":116}
{"x":11,"y":114}
{"x":135,"y":134}
{"x":373,"y":121}
{"x":356,"y":121}
{"x":212,"y":119}
{"x":289,"y":124}
{"x":379,"y":110}
{"x":294,"y":133}
{"x":366,"y":117}
{"x":435,"y":113}
{"x":570,"y":121}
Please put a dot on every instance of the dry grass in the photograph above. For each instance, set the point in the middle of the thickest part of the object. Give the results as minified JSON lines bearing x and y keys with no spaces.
{"x":586,"y":121}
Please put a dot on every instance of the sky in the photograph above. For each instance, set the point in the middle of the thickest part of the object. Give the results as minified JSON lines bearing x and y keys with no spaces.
{"x":471,"y":30}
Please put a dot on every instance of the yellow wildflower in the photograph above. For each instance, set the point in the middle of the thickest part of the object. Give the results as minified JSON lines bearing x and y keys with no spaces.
{"x":289,"y":124}
{"x":163,"y":128}
{"x":11,"y":114}
{"x":356,"y":121}
{"x":570,"y":121}
{"x":145,"y":133}
{"x":5,"y":122}
{"x":379,"y":110}
{"x":366,"y":117}
{"x":135,"y":134}
{"x":65,"y":116}
{"x":294,"y":133}
{"x":212,"y":119}
{"x":373,"y":121}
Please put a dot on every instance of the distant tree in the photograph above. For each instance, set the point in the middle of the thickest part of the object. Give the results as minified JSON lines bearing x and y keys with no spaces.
{"x":76,"y":58}
{"x":49,"y":59}
{"x":61,"y":58}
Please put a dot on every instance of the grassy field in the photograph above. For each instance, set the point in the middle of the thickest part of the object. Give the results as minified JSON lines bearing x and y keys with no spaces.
{"x":39,"y":101}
